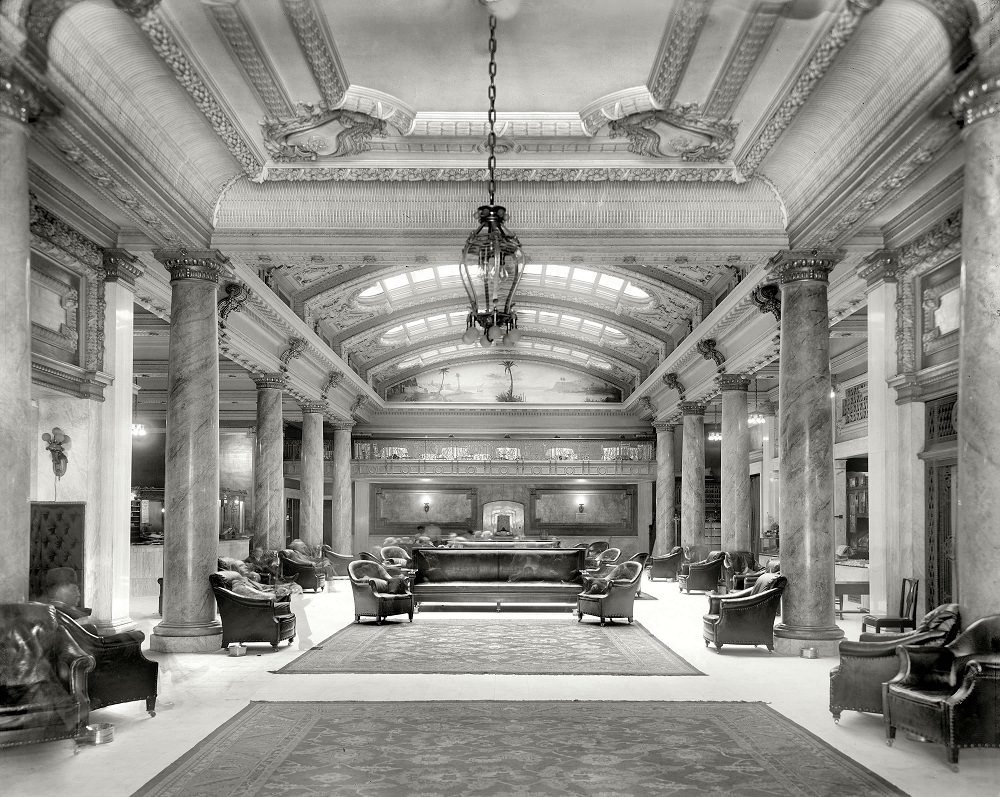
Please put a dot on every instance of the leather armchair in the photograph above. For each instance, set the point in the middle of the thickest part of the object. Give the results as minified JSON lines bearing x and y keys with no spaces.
{"x":739,"y":563}
{"x":746,"y":617}
{"x":43,"y":676}
{"x":666,"y":567}
{"x":948,"y":695}
{"x":594,"y":550}
{"x":338,"y":561}
{"x":856,"y":683}
{"x":374,"y":594}
{"x":306,"y":573}
{"x":703,"y":575}
{"x":249,"y":617}
{"x":610,"y":597}
{"x":122,"y":674}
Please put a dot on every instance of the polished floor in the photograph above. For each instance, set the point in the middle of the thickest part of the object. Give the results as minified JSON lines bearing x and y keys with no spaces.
{"x":198,"y":692}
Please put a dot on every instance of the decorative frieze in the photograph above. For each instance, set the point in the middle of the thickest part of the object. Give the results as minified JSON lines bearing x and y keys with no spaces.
{"x":507,"y":174}
{"x":318,"y":48}
{"x":194,"y":264}
{"x":750,"y":43}
{"x":676,"y":47}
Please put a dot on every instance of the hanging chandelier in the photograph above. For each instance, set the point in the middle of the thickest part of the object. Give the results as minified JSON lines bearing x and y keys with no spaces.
{"x":755,"y":418}
{"x":492,"y":259}
{"x":716,"y":434}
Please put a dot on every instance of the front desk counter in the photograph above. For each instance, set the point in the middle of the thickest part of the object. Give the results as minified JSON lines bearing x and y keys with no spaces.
{"x":147,"y":564}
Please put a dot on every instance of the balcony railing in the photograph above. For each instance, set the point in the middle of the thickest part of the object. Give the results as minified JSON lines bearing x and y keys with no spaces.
{"x":293,"y":451}
{"x":487,"y":450}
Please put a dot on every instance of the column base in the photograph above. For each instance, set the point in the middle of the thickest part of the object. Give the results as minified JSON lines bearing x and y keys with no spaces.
{"x":117,"y":625}
{"x":790,"y":640}
{"x":188,"y":638}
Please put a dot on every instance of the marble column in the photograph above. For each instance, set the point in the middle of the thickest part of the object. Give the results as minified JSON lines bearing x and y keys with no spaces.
{"x":806,"y":444}
{"x":343,"y":509}
{"x":693,"y":480}
{"x":17,"y":431}
{"x":311,"y":506}
{"x":840,"y":502}
{"x":269,"y":464}
{"x":109,"y":569}
{"x":191,"y":488}
{"x":736,"y":509}
{"x":977,"y":542}
{"x":664,"y":489}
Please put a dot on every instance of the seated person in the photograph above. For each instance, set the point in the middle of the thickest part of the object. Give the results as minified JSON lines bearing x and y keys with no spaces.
{"x":314,"y":555}
{"x":66,"y":597}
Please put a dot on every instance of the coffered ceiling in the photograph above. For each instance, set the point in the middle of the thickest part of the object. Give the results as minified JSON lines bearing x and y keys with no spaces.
{"x":650,"y":153}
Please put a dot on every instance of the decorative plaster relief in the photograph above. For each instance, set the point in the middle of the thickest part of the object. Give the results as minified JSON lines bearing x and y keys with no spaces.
{"x":528,"y":175}
{"x":743,"y":57}
{"x":940,"y":305}
{"x":55,"y":312}
{"x":317,"y":46}
{"x":676,"y":47}
{"x":316,"y":131}
{"x":680,"y":131}
{"x":237,"y":294}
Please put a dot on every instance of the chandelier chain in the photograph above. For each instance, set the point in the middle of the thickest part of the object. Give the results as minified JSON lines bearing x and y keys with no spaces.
{"x":491,"y":140}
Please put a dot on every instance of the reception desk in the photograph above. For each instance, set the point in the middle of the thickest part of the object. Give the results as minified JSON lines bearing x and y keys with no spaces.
{"x":147,"y":564}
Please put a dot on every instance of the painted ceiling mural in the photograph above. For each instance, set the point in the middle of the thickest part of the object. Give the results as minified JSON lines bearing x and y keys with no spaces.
{"x":503,"y":381}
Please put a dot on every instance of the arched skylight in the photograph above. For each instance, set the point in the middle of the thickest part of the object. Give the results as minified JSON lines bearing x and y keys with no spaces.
{"x":568,"y":355}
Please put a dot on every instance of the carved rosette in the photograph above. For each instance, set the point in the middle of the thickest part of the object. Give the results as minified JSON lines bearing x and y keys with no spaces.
{"x":269,"y":381}
{"x":185,"y":264}
{"x":692,"y":408}
{"x":979,"y":102}
{"x":121,"y":266}
{"x":734,"y":382}
{"x":810,"y":264}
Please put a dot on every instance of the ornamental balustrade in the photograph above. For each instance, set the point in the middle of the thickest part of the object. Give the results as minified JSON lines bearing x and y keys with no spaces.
{"x":491,"y":450}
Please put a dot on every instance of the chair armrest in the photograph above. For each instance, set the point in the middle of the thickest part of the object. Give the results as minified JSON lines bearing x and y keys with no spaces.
{"x":124,"y":639}
{"x":745,"y":601}
{"x":72,"y":664}
{"x":282,"y":608}
{"x":254,"y":603}
{"x":715,"y":597}
{"x":877,"y":648}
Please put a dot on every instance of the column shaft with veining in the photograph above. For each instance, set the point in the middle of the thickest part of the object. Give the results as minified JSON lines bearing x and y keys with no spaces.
{"x":693,"y":480}
{"x":269,"y":464}
{"x":343,"y":503}
{"x":736,"y":511}
{"x":806,"y":445}
{"x":664,"y":489}
{"x":311,"y":506}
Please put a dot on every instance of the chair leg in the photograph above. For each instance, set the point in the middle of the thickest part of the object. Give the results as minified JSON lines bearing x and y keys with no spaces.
{"x":953,"y":758}
{"x":151,"y":705}
{"x":890,"y":734}
{"x":836,"y":716}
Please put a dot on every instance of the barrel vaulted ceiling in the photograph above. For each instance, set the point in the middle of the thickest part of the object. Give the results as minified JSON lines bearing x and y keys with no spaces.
{"x":650,"y":153}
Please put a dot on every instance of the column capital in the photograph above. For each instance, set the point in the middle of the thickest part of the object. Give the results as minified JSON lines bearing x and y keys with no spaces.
{"x":692,"y":408}
{"x":766,"y":407}
{"x":979,"y":101}
{"x":879,"y":267}
{"x":342,"y":426}
{"x":269,"y":381}
{"x":313,"y":406}
{"x":21,"y":98}
{"x":734,"y":382}
{"x":121,"y":266}
{"x":796,"y":265}
{"x":192,"y":264}
{"x":663,"y":426}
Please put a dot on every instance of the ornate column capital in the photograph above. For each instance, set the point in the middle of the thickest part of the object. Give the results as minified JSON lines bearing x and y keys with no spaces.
{"x":269,"y":381}
{"x":766,"y":407}
{"x":663,"y":426}
{"x":313,"y":406}
{"x":979,"y":101}
{"x":797,"y":265}
{"x":21,"y":98}
{"x":342,"y":426}
{"x":734,"y":382}
{"x":192,"y":264}
{"x":121,"y":266}
{"x":880,"y":266}
{"x":692,"y":408}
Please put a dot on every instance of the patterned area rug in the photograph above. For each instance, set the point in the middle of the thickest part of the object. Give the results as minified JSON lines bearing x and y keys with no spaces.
{"x":480,"y":646}
{"x":488,"y":748}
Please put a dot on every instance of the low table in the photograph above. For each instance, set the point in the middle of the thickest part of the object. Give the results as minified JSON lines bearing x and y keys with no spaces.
{"x":842,"y":588}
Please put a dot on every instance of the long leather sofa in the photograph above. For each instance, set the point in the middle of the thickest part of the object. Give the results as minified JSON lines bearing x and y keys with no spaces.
{"x":501,"y":575}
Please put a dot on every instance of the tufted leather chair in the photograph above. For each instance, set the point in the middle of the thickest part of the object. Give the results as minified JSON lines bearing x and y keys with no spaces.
{"x":612,"y":596}
{"x":122,"y":674}
{"x":746,"y":617}
{"x":740,"y":564}
{"x":396,"y":556}
{"x":856,"y":683}
{"x":306,"y":573}
{"x":948,"y":695}
{"x":338,"y":561}
{"x":378,"y":594}
{"x":703,"y":575}
{"x":249,"y":615}
{"x":594,"y":550}
{"x":666,"y":567}
{"x":43,"y":676}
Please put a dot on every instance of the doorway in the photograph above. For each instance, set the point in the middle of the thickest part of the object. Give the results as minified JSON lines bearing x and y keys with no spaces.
{"x":942,"y":583}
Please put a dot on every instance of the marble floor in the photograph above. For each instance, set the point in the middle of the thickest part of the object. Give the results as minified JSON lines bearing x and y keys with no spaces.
{"x":198,"y":692}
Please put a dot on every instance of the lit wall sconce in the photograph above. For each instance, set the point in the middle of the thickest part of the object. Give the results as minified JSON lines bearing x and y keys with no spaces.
{"x":580,"y":509}
{"x":427,"y":506}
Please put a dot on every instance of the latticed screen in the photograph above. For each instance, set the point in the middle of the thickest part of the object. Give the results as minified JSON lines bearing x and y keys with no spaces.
{"x":941,"y":420}
{"x":855,"y":407}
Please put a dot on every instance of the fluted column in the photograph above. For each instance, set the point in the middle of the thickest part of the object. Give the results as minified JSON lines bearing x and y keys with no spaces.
{"x":664,"y":488}
{"x":977,"y":548}
{"x":191,"y":487}
{"x":806,"y":445}
{"x":269,"y":464}
{"x":311,"y":507}
{"x":17,"y":109}
{"x":736,"y":511}
{"x":693,"y":480}
{"x":343,"y":504}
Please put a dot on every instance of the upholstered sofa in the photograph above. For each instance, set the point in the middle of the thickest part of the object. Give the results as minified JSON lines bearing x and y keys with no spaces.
{"x":249,"y":615}
{"x":746,"y":617}
{"x":43,"y":676}
{"x":122,"y":674}
{"x":533,"y":575}
{"x":856,"y":683}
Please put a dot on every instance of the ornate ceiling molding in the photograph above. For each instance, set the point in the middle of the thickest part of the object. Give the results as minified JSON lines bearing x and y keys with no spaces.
{"x":525,"y":175}
{"x":236,"y":32}
{"x":22,"y":98}
{"x":167,"y":47}
{"x":743,"y":57}
{"x":615,"y":106}
{"x":838,"y":36}
{"x":645,"y":140}
{"x":955,"y":16}
{"x":317,"y":45}
{"x":354,"y":137}
{"x":676,"y":47}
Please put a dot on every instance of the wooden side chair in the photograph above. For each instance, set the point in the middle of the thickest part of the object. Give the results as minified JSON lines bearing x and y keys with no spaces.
{"x":907,"y":617}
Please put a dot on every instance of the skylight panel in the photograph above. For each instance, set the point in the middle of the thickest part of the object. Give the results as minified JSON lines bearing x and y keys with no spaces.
{"x":548,"y":318}
{"x":607,"y":281}
{"x":592,"y":328}
{"x":553,"y":270}
{"x":397,"y":281}
{"x":372,"y":291}
{"x":635,"y":292}
{"x":533,"y":268}
{"x":423,"y":275}
{"x":448,"y":272}
{"x":584,"y":276}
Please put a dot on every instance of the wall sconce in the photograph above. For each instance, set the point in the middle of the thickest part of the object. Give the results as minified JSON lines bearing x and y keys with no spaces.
{"x":427,"y":506}
{"x":580,"y":509}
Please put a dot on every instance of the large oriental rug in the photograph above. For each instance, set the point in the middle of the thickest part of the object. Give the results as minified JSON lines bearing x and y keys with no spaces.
{"x":484,"y":646}
{"x":513,"y":748}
